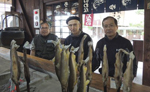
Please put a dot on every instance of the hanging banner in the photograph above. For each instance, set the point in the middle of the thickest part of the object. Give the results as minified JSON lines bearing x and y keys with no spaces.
{"x":88,"y":20}
{"x":140,"y":4}
{"x":112,"y":5}
{"x":128,"y":5}
{"x":98,"y":6}
{"x":86,"y":6}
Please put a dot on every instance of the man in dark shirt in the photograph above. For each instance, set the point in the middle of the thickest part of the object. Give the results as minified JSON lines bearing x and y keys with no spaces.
{"x":113,"y":42}
{"x":42,"y":45}
{"x":76,"y":35}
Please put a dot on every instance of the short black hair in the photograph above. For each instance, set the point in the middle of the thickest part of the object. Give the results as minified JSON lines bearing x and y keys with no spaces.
{"x":72,"y":18}
{"x":49,"y":26}
{"x":115,"y":20}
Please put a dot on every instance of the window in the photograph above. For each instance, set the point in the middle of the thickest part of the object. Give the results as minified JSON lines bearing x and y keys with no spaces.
{"x":57,"y":15}
{"x":5,"y":5}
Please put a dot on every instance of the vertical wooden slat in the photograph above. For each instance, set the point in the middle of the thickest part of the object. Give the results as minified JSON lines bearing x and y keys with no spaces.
{"x":20,"y":7}
{"x":146,"y":63}
{"x":29,"y":10}
{"x":41,"y":9}
{"x":80,"y":10}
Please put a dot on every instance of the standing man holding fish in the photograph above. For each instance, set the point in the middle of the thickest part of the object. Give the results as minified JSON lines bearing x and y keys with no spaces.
{"x":114,"y":42}
{"x":79,"y":39}
{"x":42,"y":45}
{"x":77,"y":34}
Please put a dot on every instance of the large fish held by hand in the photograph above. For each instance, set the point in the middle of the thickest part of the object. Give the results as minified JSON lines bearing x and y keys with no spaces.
{"x":73,"y":67}
{"x":26,"y":67}
{"x":118,"y":68}
{"x":81,"y":52}
{"x":57,"y":58}
{"x":105,"y":69}
{"x":128,"y":75}
{"x":89,"y":63}
{"x":64,"y":69}
{"x":15,"y":64}
{"x":83,"y":81}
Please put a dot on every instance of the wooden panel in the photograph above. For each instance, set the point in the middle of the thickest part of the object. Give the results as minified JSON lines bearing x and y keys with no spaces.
{"x":20,"y":4}
{"x":42,"y":8}
{"x":48,"y":65}
{"x":146,"y":66}
{"x":138,"y":49}
{"x":29,"y":11}
{"x":37,"y":4}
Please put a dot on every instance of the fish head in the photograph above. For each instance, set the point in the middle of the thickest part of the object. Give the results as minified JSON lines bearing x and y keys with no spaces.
{"x":27,"y":45}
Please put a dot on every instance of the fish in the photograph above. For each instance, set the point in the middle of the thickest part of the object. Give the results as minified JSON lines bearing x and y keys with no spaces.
{"x":15,"y":64}
{"x":73,"y":67}
{"x":105,"y":68}
{"x":89,"y":63}
{"x":57,"y":58}
{"x":83,"y":81}
{"x":81,"y":52}
{"x":128,"y":74}
{"x":64,"y":68}
{"x":27,"y":45}
{"x":26,"y":67}
{"x":118,"y":70}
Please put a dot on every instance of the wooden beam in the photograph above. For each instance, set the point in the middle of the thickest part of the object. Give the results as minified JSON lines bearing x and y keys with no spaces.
{"x":146,"y":63}
{"x":25,"y":18}
{"x":80,"y":9}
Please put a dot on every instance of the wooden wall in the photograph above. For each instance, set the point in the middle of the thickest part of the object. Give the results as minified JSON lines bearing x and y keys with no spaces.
{"x":26,"y":7}
{"x":146,"y":63}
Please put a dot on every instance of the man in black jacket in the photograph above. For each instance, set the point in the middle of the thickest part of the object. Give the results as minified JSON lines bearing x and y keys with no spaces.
{"x":76,"y":35}
{"x":113,"y":42}
{"x":42,"y":45}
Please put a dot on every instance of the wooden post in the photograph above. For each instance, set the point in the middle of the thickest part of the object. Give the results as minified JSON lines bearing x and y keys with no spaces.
{"x":80,"y":8}
{"x":146,"y":63}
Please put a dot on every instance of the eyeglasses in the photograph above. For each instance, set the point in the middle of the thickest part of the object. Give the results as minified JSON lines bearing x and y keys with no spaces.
{"x":44,"y":28}
{"x":108,"y":26}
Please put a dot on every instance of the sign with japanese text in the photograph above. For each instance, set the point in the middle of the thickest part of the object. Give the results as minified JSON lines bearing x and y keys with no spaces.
{"x":88,"y":20}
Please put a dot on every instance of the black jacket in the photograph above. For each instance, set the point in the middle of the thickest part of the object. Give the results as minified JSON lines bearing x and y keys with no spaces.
{"x":75,"y":41}
{"x":44,"y":48}
{"x":112,"y":48}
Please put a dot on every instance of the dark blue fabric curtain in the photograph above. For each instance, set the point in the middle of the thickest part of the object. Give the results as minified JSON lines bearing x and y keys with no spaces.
{"x":87,"y":6}
{"x":128,"y":5}
{"x":112,"y":5}
{"x":140,"y":4}
{"x":98,"y":6}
